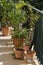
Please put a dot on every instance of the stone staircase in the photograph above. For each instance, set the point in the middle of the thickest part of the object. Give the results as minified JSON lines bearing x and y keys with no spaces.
{"x":6,"y":44}
{"x":6,"y":49}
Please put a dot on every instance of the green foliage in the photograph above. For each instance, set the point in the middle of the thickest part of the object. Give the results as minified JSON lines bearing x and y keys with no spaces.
{"x":14,"y":17}
{"x":34,"y":17}
{"x":5,"y":8}
{"x":20,"y":4}
{"x":18,"y":18}
{"x":21,"y":33}
{"x":12,"y":14}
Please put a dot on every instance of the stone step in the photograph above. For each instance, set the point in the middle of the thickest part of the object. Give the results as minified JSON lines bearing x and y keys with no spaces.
{"x":6,"y":43}
{"x":6,"y":40}
{"x":4,"y":46}
{"x":5,"y":37}
{"x":6,"y":49}
{"x":5,"y":53}
{"x":10,"y":60}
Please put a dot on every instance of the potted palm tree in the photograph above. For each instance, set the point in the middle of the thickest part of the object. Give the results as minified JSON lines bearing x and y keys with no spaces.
{"x":19,"y":33}
{"x":19,"y":37}
{"x":5,"y":7}
{"x":18,"y":17}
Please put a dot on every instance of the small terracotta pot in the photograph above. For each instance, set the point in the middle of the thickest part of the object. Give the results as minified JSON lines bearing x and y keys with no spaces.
{"x":18,"y":42}
{"x":29,"y":55}
{"x":18,"y":53}
{"x":5,"y":30}
{"x":26,"y":47}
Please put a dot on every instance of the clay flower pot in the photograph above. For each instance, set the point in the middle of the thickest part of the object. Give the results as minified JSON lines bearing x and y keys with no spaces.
{"x":18,"y":52}
{"x":18,"y":42}
{"x":5,"y":30}
{"x":26,"y":47}
{"x":29,"y":55}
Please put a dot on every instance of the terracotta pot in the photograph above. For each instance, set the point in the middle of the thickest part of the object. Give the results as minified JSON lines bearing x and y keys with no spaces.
{"x":29,"y":55}
{"x":5,"y":30}
{"x":18,"y":52}
{"x":18,"y":42}
{"x":26,"y":47}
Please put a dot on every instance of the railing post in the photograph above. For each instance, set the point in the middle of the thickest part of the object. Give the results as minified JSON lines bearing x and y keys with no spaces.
{"x":42,"y":38}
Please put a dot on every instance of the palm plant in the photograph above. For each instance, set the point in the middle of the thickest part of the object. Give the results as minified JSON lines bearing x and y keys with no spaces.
{"x":6,"y":8}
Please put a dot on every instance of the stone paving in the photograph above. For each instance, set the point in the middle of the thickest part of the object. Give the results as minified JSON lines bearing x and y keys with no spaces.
{"x":8,"y":59}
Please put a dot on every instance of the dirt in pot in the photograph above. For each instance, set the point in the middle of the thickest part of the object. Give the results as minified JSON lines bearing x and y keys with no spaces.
{"x":19,"y":49}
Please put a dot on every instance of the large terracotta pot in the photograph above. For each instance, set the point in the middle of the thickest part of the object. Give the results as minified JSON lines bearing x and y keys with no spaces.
{"x":18,"y":52}
{"x":18,"y":42}
{"x":5,"y":30}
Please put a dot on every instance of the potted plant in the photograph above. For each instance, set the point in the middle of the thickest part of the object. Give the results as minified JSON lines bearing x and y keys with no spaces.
{"x":28,"y":57}
{"x":19,"y":33}
{"x":4,"y":27}
{"x":18,"y":17}
{"x":6,"y":7}
{"x":18,"y":53}
{"x":19,"y":36}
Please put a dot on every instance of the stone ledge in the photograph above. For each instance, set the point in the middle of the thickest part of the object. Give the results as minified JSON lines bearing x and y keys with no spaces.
{"x":5,"y":37}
